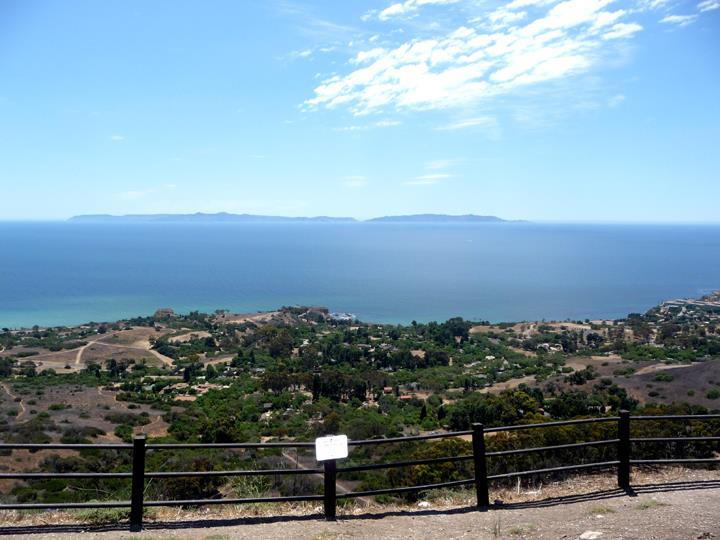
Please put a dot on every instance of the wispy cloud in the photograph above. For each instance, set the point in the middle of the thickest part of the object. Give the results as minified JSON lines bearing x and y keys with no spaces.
{"x":117,"y":137}
{"x":365,"y":127}
{"x":616,"y":100}
{"x":680,"y":20}
{"x":387,"y":123}
{"x":428,"y":179}
{"x":709,"y":5}
{"x":403,"y":9}
{"x":486,"y":121}
{"x":489,"y":56}
{"x":355,"y":181}
{"x":437,"y":164}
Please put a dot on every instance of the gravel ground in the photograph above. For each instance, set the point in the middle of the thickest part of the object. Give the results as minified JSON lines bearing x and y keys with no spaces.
{"x":674,"y":508}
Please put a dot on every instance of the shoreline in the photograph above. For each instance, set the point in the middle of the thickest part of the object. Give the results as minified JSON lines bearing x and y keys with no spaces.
{"x":713,"y":296}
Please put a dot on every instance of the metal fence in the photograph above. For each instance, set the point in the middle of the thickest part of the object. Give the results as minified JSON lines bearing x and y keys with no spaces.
{"x":330,"y":470}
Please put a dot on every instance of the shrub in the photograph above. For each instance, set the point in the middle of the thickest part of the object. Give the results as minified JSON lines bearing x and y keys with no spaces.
{"x":713,"y":394}
{"x":102,"y":515}
{"x":663,"y":377}
{"x":58,"y":407}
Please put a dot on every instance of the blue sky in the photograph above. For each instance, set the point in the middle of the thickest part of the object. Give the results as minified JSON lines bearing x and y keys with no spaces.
{"x":580,"y":110}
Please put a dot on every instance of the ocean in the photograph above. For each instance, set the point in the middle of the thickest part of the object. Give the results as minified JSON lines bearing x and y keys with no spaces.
{"x":58,"y":273}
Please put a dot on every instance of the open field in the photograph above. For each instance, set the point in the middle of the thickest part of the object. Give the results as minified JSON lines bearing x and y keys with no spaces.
{"x":133,"y":344}
{"x":70,"y":407}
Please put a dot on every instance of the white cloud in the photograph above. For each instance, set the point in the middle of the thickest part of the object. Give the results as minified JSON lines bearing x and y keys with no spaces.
{"x":407,"y":7}
{"x":653,"y":4}
{"x":428,"y":179}
{"x":365,"y":127}
{"x":387,"y":123}
{"x":616,"y":100}
{"x":486,"y":121}
{"x":117,"y":137}
{"x":472,"y":63}
{"x":680,"y":20}
{"x":709,"y":5}
{"x":436,"y":164}
{"x":355,"y":181}
{"x":622,"y":30}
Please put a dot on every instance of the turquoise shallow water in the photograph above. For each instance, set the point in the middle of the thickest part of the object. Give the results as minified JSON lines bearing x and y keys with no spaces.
{"x":65,"y":273}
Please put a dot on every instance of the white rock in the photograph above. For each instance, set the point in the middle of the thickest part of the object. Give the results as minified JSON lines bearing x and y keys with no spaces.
{"x":424,"y":504}
{"x":590,"y":535}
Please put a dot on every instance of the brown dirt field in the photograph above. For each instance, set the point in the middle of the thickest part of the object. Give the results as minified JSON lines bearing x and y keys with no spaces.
{"x":94,"y":403}
{"x":101,"y":353}
{"x":695,"y":377}
{"x":581,"y":362}
{"x":483,"y":329}
{"x":670,"y":504}
{"x":508,"y":385}
{"x":190,"y":334}
{"x":247,"y":317}
{"x":124,"y":344}
{"x":654,"y":368}
{"x":137,"y":334}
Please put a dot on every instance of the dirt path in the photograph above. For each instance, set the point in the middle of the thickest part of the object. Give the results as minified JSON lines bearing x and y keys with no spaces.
{"x":156,"y":428}
{"x":340,"y":486}
{"x":662,"y":367}
{"x":80,"y":351}
{"x":23,"y":410}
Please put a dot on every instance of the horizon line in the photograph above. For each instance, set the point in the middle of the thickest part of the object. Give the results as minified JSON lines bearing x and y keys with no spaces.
{"x":356,"y":220}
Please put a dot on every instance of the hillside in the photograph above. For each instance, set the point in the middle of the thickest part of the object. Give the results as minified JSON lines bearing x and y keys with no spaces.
{"x":298,"y":373}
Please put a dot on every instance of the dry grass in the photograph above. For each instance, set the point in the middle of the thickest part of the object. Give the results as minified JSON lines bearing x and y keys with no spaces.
{"x":439,"y":499}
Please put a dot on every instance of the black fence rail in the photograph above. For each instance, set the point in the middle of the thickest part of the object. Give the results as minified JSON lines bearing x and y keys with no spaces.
{"x":330,"y":470}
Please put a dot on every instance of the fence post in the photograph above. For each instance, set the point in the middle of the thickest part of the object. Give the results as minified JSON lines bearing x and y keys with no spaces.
{"x":481,"y":483}
{"x":329,"y":495}
{"x":624,"y":450}
{"x":138,"y":483}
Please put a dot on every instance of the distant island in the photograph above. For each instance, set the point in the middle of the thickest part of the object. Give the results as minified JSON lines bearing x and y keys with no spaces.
{"x":224,"y":217}
{"x":438,"y":218}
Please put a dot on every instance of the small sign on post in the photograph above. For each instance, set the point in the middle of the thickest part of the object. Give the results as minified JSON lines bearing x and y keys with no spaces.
{"x":333,"y":447}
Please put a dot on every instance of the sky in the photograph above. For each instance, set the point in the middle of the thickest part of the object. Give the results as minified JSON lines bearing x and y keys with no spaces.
{"x":556,"y":110}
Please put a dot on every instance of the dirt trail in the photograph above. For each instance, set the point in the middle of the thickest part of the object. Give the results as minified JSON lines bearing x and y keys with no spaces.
{"x":23,"y":410}
{"x":156,"y":428}
{"x":340,"y":486}
{"x":80,"y":351}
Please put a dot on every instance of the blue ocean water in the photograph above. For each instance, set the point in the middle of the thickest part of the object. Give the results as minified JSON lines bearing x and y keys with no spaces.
{"x":69,"y":273}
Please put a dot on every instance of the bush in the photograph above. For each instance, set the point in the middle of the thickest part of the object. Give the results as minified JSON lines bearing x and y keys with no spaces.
{"x":102,"y":515}
{"x":713,"y":394}
{"x":124,"y":432}
{"x":129,"y":419}
{"x":58,"y":407}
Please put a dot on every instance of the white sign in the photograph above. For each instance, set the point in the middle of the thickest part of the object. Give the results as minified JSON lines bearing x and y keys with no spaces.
{"x":333,"y":447}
